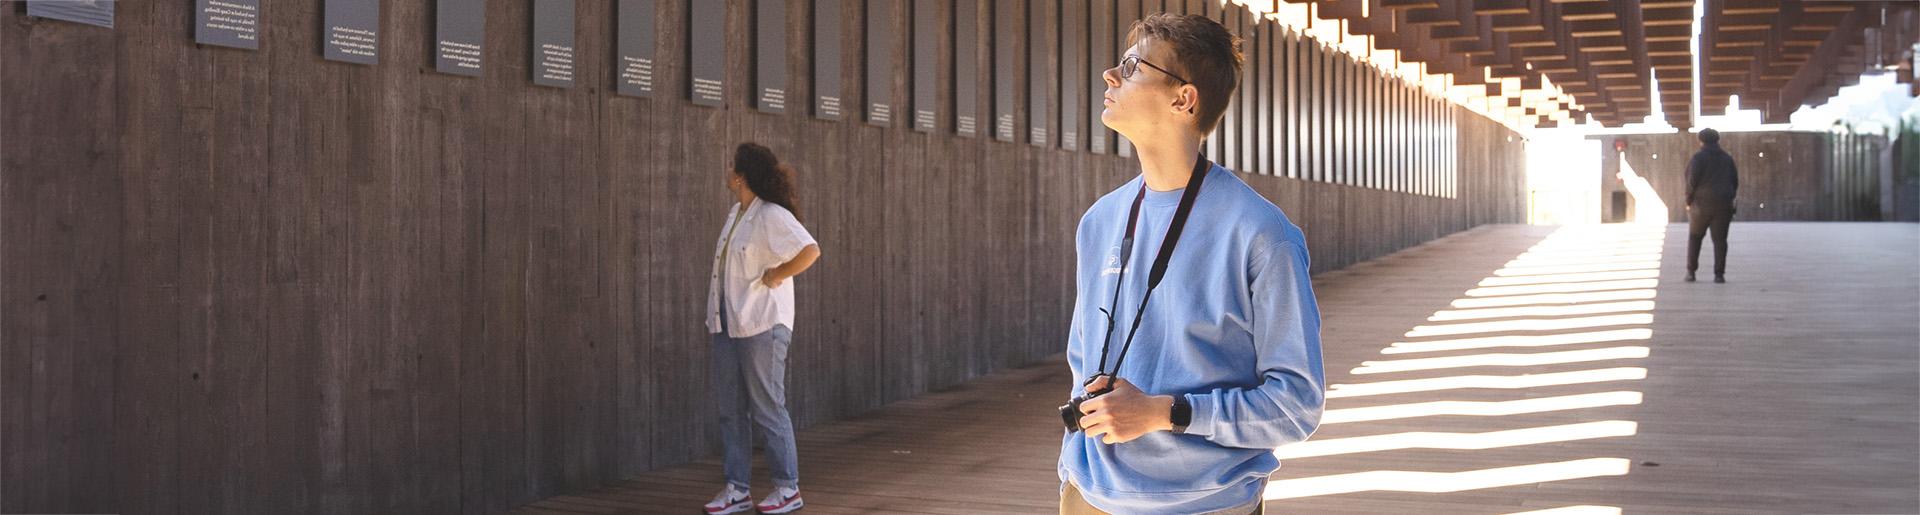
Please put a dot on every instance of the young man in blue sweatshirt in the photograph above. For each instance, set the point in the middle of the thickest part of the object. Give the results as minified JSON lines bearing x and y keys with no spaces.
{"x":1195,"y":382}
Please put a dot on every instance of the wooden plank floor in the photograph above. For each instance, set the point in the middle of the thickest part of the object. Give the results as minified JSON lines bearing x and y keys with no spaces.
{"x":1505,"y":369}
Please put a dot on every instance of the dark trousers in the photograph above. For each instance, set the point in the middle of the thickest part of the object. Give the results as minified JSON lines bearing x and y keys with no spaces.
{"x":1706,"y":218}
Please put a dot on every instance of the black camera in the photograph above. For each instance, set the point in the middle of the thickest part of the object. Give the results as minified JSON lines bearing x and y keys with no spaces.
{"x":1070,"y":412}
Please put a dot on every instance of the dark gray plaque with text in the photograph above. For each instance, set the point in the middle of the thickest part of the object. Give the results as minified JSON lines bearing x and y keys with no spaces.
{"x":1099,"y":52}
{"x":553,"y":43}
{"x":634,"y":62}
{"x":352,"y":31}
{"x":770,"y":55}
{"x":926,"y":41}
{"x":1039,"y":33}
{"x":1072,"y":69}
{"x":966,"y":67}
{"x":228,"y":23}
{"x":881,"y":40}
{"x":459,"y":30}
{"x":1123,"y":19}
{"x":826,"y":59}
{"x":707,"y":52}
{"x":1006,"y":33}
{"x":90,"y":12}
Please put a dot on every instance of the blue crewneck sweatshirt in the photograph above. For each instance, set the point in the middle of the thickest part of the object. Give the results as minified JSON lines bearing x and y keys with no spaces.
{"x":1233,"y":328}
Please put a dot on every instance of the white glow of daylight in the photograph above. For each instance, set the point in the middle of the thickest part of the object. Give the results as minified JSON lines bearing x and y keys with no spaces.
{"x":1523,"y":381}
{"x":1457,"y":441}
{"x":1480,"y":408}
{"x":1440,"y":482}
{"x":1554,"y":298}
{"x":1501,"y":360}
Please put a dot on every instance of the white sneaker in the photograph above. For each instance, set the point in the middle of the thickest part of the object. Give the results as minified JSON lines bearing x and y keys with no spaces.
{"x":730,"y":500}
{"x":783,"y":500}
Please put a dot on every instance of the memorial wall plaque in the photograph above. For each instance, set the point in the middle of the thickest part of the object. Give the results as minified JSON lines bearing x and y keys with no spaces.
{"x":634,"y":67}
{"x":90,"y":12}
{"x":826,"y":59}
{"x":1343,"y":118}
{"x":882,"y":38}
{"x":1282,"y":91}
{"x":1369,"y":125}
{"x":553,"y":42}
{"x":352,"y":32}
{"x":966,"y":67}
{"x":1250,"y":99}
{"x":1122,"y":22}
{"x":1072,"y":70}
{"x":1039,"y":34}
{"x":459,"y":30}
{"x":1264,"y":83}
{"x":1099,"y":53}
{"x":1224,"y":145}
{"x":1006,"y":34}
{"x":1311,"y":101}
{"x":707,"y":52}
{"x":770,"y":55}
{"x":926,"y":41}
{"x":1262,"y":64}
{"x":228,"y":23}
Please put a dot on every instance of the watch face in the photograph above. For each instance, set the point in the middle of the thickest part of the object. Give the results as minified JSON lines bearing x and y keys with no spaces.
{"x":1182,"y":413}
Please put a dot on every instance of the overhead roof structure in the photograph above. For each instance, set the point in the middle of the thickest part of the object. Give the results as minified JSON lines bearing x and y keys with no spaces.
{"x":1778,"y":55}
{"x":1602,"y":58}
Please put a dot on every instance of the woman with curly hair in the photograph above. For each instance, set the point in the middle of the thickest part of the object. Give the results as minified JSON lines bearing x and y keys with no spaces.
{"x":750,"y":314}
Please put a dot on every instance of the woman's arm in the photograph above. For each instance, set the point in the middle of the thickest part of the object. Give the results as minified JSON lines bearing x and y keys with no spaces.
{"x":800,"y":263}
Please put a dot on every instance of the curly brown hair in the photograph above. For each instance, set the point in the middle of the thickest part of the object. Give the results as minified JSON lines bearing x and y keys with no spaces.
{"x":766,"y":177}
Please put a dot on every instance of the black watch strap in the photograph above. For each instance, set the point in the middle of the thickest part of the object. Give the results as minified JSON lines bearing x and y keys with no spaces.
{"x":1182,"y":414}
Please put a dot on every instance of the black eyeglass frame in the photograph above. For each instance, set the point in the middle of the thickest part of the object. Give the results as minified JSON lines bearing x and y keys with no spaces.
{"x":1130,"y":65}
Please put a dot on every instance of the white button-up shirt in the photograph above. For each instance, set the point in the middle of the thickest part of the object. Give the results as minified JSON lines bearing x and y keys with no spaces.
{"x":767,"y":236}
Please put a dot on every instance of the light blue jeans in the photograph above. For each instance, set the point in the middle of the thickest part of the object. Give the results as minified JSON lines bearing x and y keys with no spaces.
{"x":751,"y":374}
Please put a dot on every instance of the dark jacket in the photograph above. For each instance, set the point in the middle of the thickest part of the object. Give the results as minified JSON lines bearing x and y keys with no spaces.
{"x":1712,"y":179}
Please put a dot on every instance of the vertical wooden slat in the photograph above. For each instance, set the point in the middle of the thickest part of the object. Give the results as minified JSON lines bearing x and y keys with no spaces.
{"x":1072,"y":72}
{"x":1264,"y":85}
{"x":1290,"y":82}
{"x":1039,"y":41}
{"x":1250,"y":99}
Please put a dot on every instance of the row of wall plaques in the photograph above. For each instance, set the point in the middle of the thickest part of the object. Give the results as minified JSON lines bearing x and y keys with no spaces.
{"x":1301,"y":110}
{"x":91,"y":12}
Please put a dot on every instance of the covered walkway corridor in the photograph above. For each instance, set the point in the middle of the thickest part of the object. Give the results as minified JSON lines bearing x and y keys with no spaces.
{"x":1499,"y":370}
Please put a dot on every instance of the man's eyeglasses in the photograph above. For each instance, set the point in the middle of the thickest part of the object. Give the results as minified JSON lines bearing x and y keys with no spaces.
{"x":1132,"y":63}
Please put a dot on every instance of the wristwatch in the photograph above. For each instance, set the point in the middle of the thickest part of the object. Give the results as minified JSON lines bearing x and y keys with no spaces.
{"x":1182,"y":414}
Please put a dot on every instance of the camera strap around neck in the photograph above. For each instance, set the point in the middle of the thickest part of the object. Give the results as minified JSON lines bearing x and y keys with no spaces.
{"x":1159,"y":269}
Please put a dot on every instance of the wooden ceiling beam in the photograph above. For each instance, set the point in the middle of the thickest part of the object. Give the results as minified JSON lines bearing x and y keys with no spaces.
{"x":1796,"y":91}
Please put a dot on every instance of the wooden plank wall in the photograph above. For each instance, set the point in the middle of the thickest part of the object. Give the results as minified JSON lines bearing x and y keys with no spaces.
{"x":259,"y":282}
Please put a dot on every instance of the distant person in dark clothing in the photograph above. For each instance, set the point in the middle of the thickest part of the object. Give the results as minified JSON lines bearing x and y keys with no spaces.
{"x":1712,"y":180}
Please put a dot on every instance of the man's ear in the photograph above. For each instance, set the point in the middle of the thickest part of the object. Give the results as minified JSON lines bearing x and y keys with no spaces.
{"x":1186,"y":99}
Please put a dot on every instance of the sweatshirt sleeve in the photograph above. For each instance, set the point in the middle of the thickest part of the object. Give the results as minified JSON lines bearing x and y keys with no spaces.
{"x":1285,"y":407}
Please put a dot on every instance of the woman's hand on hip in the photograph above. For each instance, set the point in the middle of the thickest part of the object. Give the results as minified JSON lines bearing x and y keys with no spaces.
{"x":772,"y":279}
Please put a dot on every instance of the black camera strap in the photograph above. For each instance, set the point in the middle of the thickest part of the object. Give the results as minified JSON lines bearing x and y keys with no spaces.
{"x":1159,"y":269}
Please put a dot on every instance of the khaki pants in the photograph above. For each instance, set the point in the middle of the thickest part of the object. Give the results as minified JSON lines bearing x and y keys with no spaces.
{"x":1071,"y":503}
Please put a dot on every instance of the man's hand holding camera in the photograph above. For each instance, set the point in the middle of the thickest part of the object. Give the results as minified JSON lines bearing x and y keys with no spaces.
{"x":1125,"y":413}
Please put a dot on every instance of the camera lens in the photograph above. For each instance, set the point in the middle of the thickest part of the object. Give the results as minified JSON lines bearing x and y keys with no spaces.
{"x":1070,"y":414}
